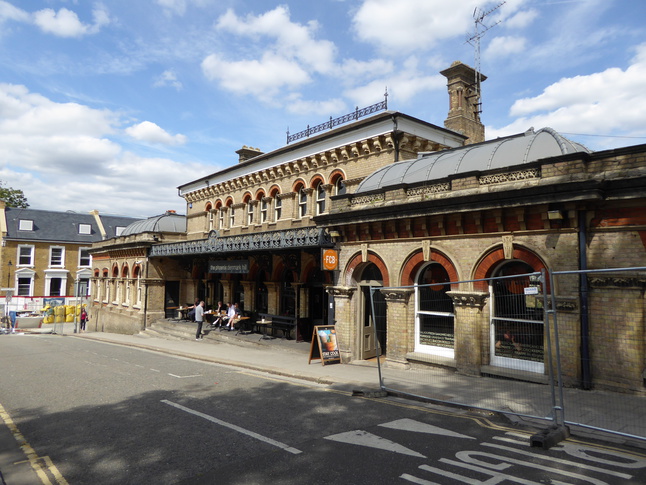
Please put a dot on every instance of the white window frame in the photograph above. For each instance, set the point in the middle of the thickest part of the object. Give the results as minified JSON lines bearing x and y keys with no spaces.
{"x":302,"y":203}
{"x":89,"y":264}
{"x":85,"y":229}
{"x":51,"y":254}
{"x":25,"y":225}
{"x":24,"y":274}
{"x":263,"y":209}
{"x":118,"y":230}
{"x":31,"y":256}
{"x":278,"y":207}
{"x":221,"y":218}
{"x":232,"y":216}
{"x":55,"y":274}
{"x":320,"y":198}
{"x":250,"y":211}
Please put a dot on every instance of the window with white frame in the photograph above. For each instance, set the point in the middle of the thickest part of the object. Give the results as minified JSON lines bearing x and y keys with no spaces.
{"x":320,"y":198}
{"x":118,"y":230}
{"x":85,"y":229}
{"x":25,"y":225}
{"x":250,"y":207}
{"x":25,"y":255}
{"x":263,"y":209}
{"x":25,"y":286}
{"x":232,"y":216}
{"x":85,"y":260}
{"x":56,"y":257}
{"x":211,"y":220}
{"x":302,"y":202}
{"x":278,"y":207}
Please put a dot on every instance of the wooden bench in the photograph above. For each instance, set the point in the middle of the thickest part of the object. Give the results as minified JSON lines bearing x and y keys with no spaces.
{"x":276,"y":322}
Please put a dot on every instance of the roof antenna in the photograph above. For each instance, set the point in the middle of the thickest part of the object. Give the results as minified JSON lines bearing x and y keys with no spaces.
{"x":474,"y":40}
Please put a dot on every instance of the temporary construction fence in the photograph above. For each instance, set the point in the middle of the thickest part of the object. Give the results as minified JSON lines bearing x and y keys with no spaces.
{"x":564,"y":348}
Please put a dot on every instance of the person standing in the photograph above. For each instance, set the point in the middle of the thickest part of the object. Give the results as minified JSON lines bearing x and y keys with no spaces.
{"x":199,"y":318}
{"x":83,"y":319}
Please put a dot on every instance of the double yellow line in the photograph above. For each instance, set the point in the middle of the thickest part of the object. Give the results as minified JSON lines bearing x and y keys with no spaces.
{"x":43,"y":466}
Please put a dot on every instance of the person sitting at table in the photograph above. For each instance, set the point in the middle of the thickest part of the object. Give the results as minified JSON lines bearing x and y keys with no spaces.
{"x":232,"y":316}
{"x":219,"y":311}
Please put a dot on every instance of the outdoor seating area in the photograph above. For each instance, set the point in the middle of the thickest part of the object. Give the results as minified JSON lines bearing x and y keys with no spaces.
{"x":283,"y":324}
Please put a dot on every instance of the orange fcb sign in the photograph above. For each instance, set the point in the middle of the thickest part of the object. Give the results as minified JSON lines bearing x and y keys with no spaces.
{"x":330,"y":259}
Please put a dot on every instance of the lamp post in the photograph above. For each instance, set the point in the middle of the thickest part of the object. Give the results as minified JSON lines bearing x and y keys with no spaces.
{"x":9,"y":274}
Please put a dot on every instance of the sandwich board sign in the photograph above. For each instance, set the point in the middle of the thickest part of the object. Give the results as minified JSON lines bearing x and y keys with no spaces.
{"x":324,"y":345}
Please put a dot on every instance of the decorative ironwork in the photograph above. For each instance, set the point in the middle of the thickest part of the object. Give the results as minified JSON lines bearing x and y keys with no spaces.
{"x":328,"y":125}
{"x":287,"y":239}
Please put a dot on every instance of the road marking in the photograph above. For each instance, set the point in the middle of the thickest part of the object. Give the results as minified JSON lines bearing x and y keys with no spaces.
{"x":184,"y":377}
{"x":561,"y":461}
{"x":31,"y":454}
{"x":363,"y":438}
{"x":247,"y":432}
{"x":419,"y":427}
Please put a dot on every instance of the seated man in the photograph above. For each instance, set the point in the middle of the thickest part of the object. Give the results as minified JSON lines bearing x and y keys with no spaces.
{"x":233,"y":314}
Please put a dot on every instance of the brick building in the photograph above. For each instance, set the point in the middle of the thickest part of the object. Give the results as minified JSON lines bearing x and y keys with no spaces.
{"x":46,"y":253}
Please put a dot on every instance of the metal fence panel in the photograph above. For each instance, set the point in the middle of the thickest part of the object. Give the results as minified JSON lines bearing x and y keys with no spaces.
{"x":569,"y":348}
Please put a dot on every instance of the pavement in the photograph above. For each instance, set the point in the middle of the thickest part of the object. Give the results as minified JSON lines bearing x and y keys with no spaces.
{"x":288,"y":358}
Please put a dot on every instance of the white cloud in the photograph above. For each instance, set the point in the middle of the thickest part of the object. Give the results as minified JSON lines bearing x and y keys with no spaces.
{"x":599,"y":103}
{"x":148,"y":131}
{"x":173,"y":6}
{"x":322,"y":109}
{"x":168,"y":78}
{"x":65,"y":23}
{"x":62,"y":156}
{"x":521,"y":20}
{"x":409,"y":25}
{"x":288,"y":38}
{"x":505,"y":46}
{"x":263,"y":78}
{"x":9,"y":12}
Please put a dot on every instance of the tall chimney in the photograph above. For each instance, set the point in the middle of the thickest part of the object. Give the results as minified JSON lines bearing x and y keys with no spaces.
{"x":464,"y":102}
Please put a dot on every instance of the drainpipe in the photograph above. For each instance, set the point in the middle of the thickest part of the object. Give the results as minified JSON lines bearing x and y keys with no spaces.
{"x":586,"y":373}
{"x":396,"y":136}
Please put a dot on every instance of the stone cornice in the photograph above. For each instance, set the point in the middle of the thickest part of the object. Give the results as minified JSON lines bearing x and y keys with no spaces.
{"x":341,"y":291}
{"x":399,"y":295}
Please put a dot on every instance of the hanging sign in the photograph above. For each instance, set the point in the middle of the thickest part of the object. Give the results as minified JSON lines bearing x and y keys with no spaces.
{"x":330,"y":259}
{"x":324,"y":345}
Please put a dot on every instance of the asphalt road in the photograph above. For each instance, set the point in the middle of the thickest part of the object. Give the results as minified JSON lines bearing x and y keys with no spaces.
{"x":96,"y":413}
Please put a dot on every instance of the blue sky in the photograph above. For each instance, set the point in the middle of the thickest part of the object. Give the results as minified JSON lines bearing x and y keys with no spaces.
{"x":111,"y":105}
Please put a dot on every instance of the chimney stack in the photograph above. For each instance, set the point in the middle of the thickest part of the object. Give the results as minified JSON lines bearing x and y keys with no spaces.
{"x":246,"y":153}
{"x":464,"y":102}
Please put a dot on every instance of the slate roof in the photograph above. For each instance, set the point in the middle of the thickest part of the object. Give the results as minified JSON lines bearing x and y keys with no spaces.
{"x":61,"y":226}
{"x":499,"y":153}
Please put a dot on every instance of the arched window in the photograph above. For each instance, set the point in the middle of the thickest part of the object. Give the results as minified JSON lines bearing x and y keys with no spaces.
{"x":278,"y":207}
{"x":434,"y":329}
{"x":302,"y":202}
{"x":250,"y":209}
{"x":320,"y":198}
{"x":517,"y":318}
{"x":339,"y":186}
{"x":263,"y":209}
{"x":232,"y":217}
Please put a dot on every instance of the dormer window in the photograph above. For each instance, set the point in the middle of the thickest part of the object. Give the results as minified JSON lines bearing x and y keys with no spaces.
{"x":25,"y":225}
{"x":118,"y":230}
{"x":85,"y":229}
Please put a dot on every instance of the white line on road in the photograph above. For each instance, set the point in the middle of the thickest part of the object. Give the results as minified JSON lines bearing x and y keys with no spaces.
{"x":252,"y":434}
{"x":184,"y":377}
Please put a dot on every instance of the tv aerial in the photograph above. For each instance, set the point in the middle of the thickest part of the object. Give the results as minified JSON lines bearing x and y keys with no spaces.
{"x":480,"y":28}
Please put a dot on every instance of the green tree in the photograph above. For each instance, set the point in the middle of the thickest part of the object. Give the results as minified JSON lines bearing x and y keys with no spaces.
{"x":13,"y":197}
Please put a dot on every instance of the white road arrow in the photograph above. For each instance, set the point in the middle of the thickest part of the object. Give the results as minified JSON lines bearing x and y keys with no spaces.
{"x":363,"y":438}
{"x":419,"y":427}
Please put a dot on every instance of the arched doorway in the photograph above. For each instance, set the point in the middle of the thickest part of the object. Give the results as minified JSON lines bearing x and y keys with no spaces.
{"x":372,"y":312}
{"x":434,"y":329}
{"x":517,"y":328}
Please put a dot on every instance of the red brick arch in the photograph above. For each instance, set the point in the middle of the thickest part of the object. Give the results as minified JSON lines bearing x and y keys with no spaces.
{"x":491,"y":260}
{"x":357,"y":259}
{"x":416,"y":261}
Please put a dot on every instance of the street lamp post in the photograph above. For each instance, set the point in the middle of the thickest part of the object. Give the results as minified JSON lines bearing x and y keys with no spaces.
{"x":9,"y":274}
